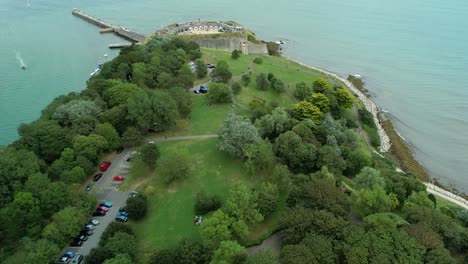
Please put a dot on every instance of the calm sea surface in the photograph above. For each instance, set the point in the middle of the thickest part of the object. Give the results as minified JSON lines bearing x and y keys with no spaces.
{"x":413,"y":55}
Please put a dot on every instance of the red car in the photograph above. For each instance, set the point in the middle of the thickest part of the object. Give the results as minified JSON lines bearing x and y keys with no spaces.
{"x":104,"y":166}
{"x":103,"y":208}
{"x":118,"y":178}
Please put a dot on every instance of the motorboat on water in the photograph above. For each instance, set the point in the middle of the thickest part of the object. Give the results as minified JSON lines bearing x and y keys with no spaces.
{"x":100,"y":65}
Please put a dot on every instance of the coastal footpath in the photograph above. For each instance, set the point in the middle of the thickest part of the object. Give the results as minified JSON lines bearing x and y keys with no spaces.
{"x":384,"y":138}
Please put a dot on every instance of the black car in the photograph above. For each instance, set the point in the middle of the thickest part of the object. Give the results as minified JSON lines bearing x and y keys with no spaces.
{"x":81,"y":237}
{"x":97,"y":177}
{"x":129,"y":159}
{"x":99,"y":213}
{"x":86,"y":232}
{"x":89,"y":187}
{"x":120,"y":149}
{"x":76,"y":243}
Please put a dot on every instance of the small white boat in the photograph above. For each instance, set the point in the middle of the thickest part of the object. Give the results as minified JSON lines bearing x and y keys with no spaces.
{"x":105,"y":55}
{"x":95,"y":72}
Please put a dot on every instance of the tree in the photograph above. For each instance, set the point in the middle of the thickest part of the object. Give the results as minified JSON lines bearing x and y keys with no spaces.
{"x":272,"y":125}
{"x":306,"y":110}
{"x":425,"y":235}
{"x":43,"y":251}
{"x":54,"y":197}
{"x":44,"y":137}
{"x":150,"y":154}
{"x":183,"y":100}
{"x":117,"y":117}
{"x":229,"y":252}
{"x":153,"y":108}
{"x":163,"y":256}
{"x":277,"y":85}
{"x":263,"y":257}
{"x":419,"y":199}
{"x":242,"y":204}
{"x":141,"y":76}
{"x":343,"y":97}
{"x":295,"y":153}
{"x":262,"y":82}
{"x":132,"y":136}
{"x":235,"y":133}
{"x":321,"y":101}
{"x":119,"y":94}
{"x":221,"y":73}
{"x":356,"y":160}
{"x":191,"y":252}
{"x":175,"y":167}
{"x":235,"y":54}
{"x":216,"y":229}
{"x":302,"y":91}
{"x":320,"y":85}
{"x":331,"y":158}
{"x":66,"y":224}
{"x":219,"y":93}
{"x":371,"y":201}
{"x":369,"y":178}
{"x":137,"y":206}
{"x":114,"y":228}
{"x":72,"y":111}
{"x":258,"y":60}
{"x":205,"y":203}
{"x":121,"y":243}
{"x":259,"y":157}
{"x":90,"y":147}
{"x":439,"y":256}
{"x":268,"y":198}
{"x":236,"y":87}
{"x":75,"y":175}
{"x":245,"y":79}
{"x":119,"y":259}
{"x":184,"y":77}
{"x":200,"y":69}
{"x":107,"y":131}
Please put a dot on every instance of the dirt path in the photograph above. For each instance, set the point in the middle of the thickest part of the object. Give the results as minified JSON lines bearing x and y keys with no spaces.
{"x":273,"y":242}
{"x":360,"y":130}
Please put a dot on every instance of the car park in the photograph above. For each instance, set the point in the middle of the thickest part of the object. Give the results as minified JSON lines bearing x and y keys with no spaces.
{"x":99,"y":213}
{"x":77,"y":259}
{"x":105,"y":165}
{"x":76,"y":243}
{"x":106,"y":204}
{"x":89,"y":187}
{"x":94,"y":222}
{"x":86,"y":232}
{"x":97,"y":177}
{"x":103,"y":208}
{"x":118,"y":178}
{"x":121,"y":218}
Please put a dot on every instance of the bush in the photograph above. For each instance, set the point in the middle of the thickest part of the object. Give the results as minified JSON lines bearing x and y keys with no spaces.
{"x":137,"y":206}
{"x":218,"y":93}
{"x":174,"y":167}
{"x":205,"y":203}
{"x":235,"y":54}
{"x":258,"y":61}
{"x":262,"y":82}
{"x":245,"y":79}
{"x":201,"y":69}
{"x":236,"y":87}
{"x":150,"y":154}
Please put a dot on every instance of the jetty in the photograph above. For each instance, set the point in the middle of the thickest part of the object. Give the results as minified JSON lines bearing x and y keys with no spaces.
{"x":122,"y":32}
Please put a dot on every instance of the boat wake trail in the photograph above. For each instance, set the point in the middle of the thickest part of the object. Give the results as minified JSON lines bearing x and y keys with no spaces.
{"x":20,"y":60}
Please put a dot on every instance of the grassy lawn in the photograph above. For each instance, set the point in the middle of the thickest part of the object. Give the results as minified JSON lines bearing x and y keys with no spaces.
{"x":171,"y":210}
{"x":250,"y":92}
{"x":237,"y":67}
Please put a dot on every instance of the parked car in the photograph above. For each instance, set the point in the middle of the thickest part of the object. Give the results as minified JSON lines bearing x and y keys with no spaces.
{"x":69,"y":254}
{"x":99,"y":213}
{"x":105,"y":165}
{"x":210,"y":66}
{"x":76,"y":243}
{"x":89,"y":187}
{"x":133,"y":194}
{"x":81,"y":237}
{"x":97,"y":177}
{"x":86,"y":232}
{"x":152,"y":130}
{"x":89,"y":227}
{"x":121,"y":218}
{"x":118,"y":178}
{"x":196,"y":91}
{"x":78,"y":259}
{"x":94,"y":222}
{"x":103,"y":208}
{"x":129,"y":159}
{"x":120,"y":149}
{"x":63,"y":260}
{"x":106,"y":204}
{"x":203,"y":89}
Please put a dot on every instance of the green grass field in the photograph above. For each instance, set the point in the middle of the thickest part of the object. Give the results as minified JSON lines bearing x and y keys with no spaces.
{"x":171,"y":209}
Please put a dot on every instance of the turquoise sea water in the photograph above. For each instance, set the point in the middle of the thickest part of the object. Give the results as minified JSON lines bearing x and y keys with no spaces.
{"x":413,"y":56}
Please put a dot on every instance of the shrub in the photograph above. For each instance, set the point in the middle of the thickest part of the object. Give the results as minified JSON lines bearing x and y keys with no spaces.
{"x":236,"y":87}
{"x":137,"y":206}
{"x":174,"y":167}
{"x":205,"y":203}
{"x":218,"y":93}
{"x":258,"y":61}
{"x":235,"y":54}
{"x":245,"y":79}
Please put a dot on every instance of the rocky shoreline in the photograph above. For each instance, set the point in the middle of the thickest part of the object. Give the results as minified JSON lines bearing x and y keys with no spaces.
{"x":386,"y":143}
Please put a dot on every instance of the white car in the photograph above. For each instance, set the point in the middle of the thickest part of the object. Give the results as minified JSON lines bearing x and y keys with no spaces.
{"x":94,"y":222}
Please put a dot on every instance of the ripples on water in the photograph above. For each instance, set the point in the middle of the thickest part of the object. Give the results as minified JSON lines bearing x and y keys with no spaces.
{"x":413,"y":55}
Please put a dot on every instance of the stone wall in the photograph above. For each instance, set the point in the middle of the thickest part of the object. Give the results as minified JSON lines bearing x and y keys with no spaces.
{"x":228,"y":44}
{"x":257,"y":49}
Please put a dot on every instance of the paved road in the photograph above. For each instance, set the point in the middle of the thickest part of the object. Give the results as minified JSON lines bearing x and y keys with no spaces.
{"x":107,"y":190}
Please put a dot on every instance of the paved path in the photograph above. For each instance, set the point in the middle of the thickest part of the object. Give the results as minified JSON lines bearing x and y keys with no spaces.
{"x":273,"y":242}
{"x":159,"y":139}
{"x":446,"y":195}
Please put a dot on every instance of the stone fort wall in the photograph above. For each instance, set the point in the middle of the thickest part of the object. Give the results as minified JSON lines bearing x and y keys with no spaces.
{"x":230,"y":44}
